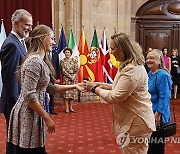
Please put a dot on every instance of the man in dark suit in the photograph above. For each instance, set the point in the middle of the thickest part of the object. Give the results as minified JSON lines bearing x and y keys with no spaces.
{"x":12,"y":52}
{"x":55,"y":62}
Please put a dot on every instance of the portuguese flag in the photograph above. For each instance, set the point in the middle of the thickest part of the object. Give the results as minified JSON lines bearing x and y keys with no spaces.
{"x":96,"y":59}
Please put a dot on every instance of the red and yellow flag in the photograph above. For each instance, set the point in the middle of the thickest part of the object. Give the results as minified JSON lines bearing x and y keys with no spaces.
{"x":85,"y":67}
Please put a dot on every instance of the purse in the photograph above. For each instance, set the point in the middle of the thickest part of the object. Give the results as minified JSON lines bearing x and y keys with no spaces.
{"x":168,"y":129}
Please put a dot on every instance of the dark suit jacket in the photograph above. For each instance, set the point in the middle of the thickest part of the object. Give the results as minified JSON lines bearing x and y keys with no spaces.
{"x":55,"y":63}
{"x":11,"y":54}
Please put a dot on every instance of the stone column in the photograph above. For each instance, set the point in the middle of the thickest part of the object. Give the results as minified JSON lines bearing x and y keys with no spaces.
{"x":58,"y":16}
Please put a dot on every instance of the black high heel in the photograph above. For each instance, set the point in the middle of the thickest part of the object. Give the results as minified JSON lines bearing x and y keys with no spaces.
{"x":72,"y":111}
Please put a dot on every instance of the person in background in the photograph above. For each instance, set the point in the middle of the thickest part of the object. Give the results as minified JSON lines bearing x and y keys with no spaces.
{"x":159,"y":85}
{"x":12,"y":52}
{"x":167,"y":59}
{"x":149,"y":49}
{"x":69,"y":70}
{"x":132,"y":108}
{"x":28,"y":119}
{"x":54,"y":58}
{"x":175,"y":63}
{"x":146,"y":67}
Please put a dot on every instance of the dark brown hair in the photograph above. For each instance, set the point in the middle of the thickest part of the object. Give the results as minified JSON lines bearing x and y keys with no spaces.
{"x":65,"y":49}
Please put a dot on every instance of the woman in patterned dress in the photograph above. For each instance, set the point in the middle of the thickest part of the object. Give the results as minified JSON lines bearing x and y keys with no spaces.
{"x":69,"y":69}
{"x":28,"y":119}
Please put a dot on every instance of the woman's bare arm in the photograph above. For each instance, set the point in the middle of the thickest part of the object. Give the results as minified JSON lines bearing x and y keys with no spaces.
{"x":61,"y":88}
{"x":36,"y":106}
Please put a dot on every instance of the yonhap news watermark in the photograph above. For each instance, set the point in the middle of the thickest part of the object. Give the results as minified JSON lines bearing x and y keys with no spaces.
{"x":124,"y":139}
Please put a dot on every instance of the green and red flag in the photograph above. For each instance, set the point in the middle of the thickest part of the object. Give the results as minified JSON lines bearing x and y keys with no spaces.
{"x":96,"y":59}
{"x":72,"y":45}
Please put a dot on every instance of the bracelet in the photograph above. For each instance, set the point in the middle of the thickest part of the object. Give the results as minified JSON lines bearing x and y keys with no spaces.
{"x":93,"y":89}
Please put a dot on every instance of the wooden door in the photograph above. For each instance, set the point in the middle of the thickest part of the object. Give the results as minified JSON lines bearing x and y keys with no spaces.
{"x":156,"y":38}
{"x":158,"y":25}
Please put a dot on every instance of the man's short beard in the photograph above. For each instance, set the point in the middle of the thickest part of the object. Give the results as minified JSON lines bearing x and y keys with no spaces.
{"x":26,"y":35}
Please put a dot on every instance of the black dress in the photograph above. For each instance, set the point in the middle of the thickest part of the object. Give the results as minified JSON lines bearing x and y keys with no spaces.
{"x":174,"y":73}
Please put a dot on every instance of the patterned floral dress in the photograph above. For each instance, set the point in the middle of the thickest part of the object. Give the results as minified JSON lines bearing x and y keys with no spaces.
{"x":26,"y":128}
{"x":68,"y":68}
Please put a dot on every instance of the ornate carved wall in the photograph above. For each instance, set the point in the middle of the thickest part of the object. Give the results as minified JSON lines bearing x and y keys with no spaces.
{"x":113,"y":14}
{"x":158,"y":24}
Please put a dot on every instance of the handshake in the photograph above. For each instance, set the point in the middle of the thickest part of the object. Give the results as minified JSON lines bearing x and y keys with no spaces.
{"x":87,"y":85}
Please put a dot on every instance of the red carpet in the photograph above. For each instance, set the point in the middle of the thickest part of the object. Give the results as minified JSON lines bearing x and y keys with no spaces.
{"x":87,"y":131}
{"x":173,"y":145}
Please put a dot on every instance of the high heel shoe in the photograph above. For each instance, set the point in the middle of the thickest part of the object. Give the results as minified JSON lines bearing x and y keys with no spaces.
{"x":72,"y":111}
{"x":67,"y":111}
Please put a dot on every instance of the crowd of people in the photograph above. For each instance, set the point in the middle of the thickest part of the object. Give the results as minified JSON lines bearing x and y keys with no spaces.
{"x":140,"y":100}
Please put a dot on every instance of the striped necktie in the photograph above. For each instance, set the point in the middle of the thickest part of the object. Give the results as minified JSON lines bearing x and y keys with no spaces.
{"x":23,"y":43}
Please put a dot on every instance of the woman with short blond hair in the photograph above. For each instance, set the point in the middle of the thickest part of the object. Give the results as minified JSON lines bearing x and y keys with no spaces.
{"x":159,"y":86}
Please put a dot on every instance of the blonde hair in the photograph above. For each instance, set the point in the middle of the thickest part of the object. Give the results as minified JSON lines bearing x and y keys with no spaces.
{"x":129,"y":50}
{"x":36,"y":46}
{"x":176,"y":50}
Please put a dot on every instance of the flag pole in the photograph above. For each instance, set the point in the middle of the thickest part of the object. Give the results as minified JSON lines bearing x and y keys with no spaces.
{"x":104,"y":29}
{"x":115,"y":30}
{"x":52,"y":26}
{"x":1,"y":24}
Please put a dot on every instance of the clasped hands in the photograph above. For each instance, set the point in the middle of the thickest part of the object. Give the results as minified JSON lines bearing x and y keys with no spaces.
{"x":86,"y":85}
{"x":89,"y":84}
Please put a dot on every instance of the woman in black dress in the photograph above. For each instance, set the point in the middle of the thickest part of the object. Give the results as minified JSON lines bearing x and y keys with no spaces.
{"x":175,"y":63}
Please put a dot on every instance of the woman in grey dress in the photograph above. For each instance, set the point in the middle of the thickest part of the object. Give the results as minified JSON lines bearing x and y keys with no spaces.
{"x":28,"y":119}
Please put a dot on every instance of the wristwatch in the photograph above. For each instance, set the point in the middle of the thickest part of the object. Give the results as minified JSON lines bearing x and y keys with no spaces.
{"x":93,"y":89}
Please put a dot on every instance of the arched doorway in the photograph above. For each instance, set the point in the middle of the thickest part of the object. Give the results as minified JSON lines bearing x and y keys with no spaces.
{"x":158,"y":24}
